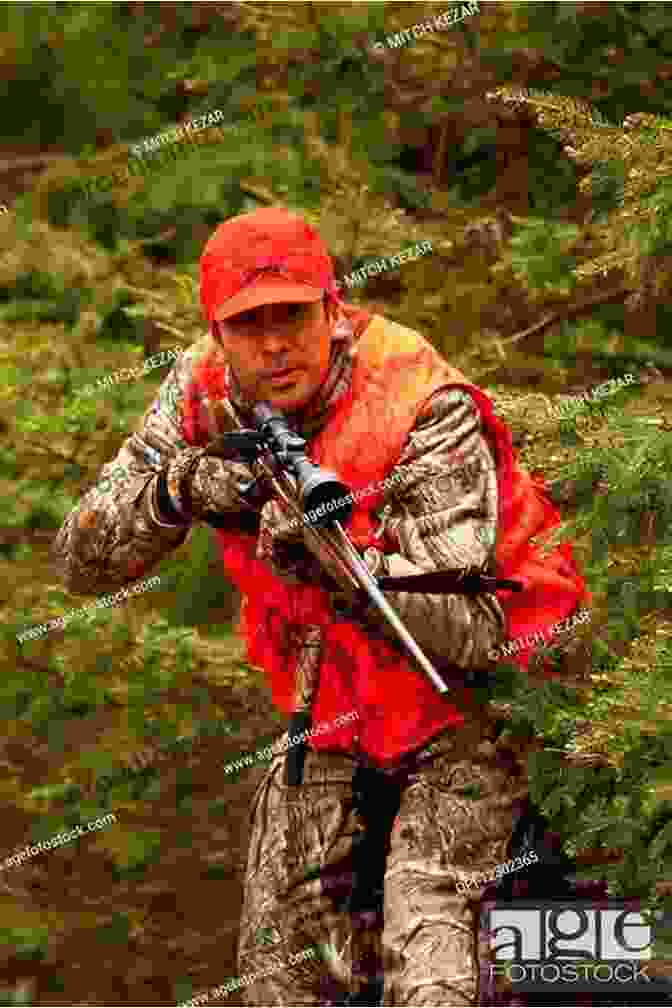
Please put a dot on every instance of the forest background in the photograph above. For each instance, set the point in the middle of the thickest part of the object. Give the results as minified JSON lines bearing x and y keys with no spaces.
{"x":531,"y":145}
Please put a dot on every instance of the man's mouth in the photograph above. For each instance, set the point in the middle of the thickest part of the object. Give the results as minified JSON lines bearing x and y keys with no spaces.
{"x":280,"y":376}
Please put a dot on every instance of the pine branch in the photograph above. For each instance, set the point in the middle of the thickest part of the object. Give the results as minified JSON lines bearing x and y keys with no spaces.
{"x":651,"y":40}
{"x":47,"y":450}
{"x":567,"y":112}
{"x":263,"y":195}
{"x":11,"y":535}
{"x":652,"y":356}
{"x":641,"y":147}
{"x":571,"y":312}
{"x":171,"y":330}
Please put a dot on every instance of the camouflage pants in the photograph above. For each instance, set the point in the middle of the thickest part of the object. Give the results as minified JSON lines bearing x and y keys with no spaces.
{"x":455,"y":819}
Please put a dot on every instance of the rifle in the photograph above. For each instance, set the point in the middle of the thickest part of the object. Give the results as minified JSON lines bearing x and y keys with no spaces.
{"x":277,"y":456}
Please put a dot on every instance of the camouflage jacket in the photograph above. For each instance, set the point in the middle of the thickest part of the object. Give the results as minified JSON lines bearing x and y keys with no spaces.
{"x":111,"y":537}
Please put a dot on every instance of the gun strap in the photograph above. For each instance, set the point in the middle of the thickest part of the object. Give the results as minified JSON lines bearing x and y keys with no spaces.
{"x":300,"y":721}
{"x":464,"y":581}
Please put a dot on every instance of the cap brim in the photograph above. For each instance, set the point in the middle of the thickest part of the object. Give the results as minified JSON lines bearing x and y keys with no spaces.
{"x":266,"y":290}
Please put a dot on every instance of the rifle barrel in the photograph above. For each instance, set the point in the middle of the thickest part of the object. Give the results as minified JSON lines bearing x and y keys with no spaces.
{"x":368,"y":583}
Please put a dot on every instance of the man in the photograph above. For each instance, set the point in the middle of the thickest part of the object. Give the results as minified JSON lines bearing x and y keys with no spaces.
{"x":396,"y":768}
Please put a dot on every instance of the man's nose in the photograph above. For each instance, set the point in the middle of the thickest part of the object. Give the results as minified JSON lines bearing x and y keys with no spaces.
{"x":274,"y":341}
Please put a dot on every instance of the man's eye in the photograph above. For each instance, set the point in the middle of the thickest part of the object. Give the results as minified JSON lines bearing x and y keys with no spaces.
{"x":246,"y":318}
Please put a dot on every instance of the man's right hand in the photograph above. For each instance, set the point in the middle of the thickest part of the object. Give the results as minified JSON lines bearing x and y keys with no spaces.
{"x":198,"y":483}
{"x":216,"y":484}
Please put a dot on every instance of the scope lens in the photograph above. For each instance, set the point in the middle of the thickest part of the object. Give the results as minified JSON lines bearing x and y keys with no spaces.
{"x":328,"y":496}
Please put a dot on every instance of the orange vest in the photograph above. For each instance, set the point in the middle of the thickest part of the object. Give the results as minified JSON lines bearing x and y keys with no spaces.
{"x":395,"y":371}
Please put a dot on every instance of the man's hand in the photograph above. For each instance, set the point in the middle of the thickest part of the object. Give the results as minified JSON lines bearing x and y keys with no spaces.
{"x":281,"y":544}
{"x":199,"y":483}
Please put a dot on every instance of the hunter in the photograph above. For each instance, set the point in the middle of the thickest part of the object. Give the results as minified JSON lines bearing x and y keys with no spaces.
{"x":404,"y":793}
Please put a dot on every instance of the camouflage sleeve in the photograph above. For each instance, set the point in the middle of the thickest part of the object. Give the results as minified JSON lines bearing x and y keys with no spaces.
{"x":112,"y":536}
{"x":443,"y":514}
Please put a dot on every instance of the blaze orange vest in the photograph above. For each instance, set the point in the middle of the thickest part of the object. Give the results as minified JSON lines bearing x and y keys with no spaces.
{"x":395,"y":372}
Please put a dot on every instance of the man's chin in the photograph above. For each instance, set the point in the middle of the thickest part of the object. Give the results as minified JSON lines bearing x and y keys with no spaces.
{"x":292,"y":397}
{"x":287,"y":403}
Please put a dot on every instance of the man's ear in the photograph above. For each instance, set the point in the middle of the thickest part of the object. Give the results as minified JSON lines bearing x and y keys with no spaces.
{"x":330,"y":310}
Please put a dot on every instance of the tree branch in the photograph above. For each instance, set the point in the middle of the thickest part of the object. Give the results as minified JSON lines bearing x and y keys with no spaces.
{"x":565,"y":315}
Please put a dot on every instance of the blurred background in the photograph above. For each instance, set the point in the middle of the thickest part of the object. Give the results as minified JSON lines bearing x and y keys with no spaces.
{"x":530,"y":143}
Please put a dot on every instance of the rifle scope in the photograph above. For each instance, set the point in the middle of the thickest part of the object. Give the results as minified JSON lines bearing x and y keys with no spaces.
{"x":318,"y":488}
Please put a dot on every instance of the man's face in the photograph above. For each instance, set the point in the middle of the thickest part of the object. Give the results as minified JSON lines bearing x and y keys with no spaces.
{"x":274,"y":338}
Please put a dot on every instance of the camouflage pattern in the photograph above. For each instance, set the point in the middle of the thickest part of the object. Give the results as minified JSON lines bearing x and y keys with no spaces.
{"x":458,"y":804}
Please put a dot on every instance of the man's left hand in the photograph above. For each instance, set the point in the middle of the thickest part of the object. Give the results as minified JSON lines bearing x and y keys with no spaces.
{"x":282,"y":545}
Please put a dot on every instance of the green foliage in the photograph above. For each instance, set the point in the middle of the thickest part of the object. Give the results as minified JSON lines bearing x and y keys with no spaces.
{"x":141,"y":98}
{"x":60,"y":66}
{"x":608,"y":189}
{"x":21,"y":994}
{"x":619,"y":49}
{"x":40,"y":297}
{"x":25,"y":943}
{"x":141,"y":849}
{"x":382,"y":179}
{"x":616,"y":806}
{"x":117,"y":324}
{"x":117,"y":931}
{"x":638,"y":476}
{"x":27,"y":695}
{"x":183,"y":991}
{"x":198,"y":582}
{"x":65,"y":792}
{"x":550,"y":708}
{"x":342,"y":70}
{"x":546,"y":161}
{"x":541,"y":255}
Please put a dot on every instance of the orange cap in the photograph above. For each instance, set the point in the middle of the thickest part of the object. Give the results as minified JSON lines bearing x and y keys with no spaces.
{"x":265,"y":257}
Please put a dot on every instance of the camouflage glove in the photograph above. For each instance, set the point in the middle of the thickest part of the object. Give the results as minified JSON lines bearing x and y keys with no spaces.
{"x":199,"y":483}
{"x":281,"y":544}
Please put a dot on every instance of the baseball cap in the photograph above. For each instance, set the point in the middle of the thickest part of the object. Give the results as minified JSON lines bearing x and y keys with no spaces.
{"x":264,"y":257}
